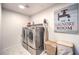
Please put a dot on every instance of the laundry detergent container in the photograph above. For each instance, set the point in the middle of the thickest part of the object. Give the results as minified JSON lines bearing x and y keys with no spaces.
{"x":64,"y":48}
{"x":50,"y":47}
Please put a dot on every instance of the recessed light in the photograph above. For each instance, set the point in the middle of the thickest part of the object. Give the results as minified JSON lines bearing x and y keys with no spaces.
{"x":27,"y":6}
{"x":21,"y":6}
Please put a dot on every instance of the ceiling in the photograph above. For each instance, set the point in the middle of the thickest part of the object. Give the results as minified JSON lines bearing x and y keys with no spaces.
{"x":29,"y":10}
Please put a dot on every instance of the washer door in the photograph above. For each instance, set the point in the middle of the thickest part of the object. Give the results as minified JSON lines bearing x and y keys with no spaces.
{"x":30,"y":36}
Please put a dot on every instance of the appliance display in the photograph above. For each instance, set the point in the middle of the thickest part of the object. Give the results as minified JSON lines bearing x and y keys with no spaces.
{"x":33,"y":37}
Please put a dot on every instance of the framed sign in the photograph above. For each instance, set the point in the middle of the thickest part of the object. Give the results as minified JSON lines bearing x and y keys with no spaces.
{"x":65,"y":19}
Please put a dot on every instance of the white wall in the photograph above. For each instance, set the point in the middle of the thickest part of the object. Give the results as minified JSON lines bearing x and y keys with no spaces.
{"x":0,"y":25}
{"x":12,"y":24}
{"x":49,"y":15}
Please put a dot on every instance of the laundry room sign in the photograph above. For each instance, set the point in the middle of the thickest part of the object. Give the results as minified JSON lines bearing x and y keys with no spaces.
{"x":66,"y":19}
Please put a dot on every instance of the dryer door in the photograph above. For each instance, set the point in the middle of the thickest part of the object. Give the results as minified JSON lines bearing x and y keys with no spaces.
{"x":31,"y":38}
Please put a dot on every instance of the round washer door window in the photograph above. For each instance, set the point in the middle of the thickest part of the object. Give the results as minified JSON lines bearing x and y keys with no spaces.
{"x":31,"y":36}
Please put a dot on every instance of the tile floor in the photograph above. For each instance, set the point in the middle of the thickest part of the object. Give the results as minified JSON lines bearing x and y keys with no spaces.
{"x":17,"y":50}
